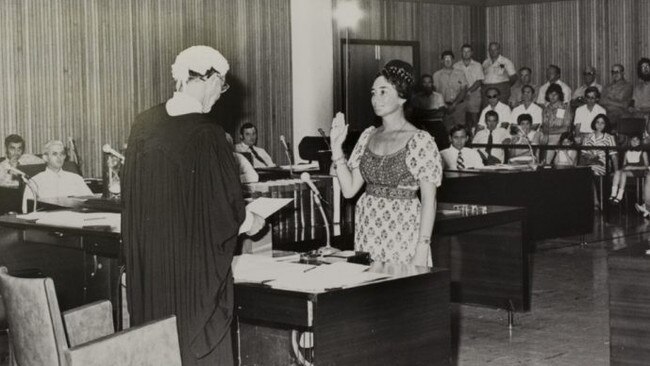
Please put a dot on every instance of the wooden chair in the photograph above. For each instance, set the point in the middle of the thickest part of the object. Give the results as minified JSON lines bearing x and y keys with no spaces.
{"x":38,"y":337}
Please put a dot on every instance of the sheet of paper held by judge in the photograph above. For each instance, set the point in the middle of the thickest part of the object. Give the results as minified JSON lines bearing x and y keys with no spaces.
{"x":265,"y":206}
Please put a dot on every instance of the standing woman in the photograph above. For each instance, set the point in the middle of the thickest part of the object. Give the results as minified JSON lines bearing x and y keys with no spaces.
{"x":556,"y":119}
{"x":394,"y":160}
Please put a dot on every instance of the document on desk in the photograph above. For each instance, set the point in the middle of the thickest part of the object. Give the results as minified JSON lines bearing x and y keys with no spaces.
{"x":313,"y":166}
{"x":328,"y":277}
{"x":265,"y":206}
{"x":76,"y":219}
{"x":247,"y":268}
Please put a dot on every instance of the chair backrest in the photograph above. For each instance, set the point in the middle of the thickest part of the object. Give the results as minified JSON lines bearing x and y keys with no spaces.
{"x":631,"y":126}
{"x":35,"y":325}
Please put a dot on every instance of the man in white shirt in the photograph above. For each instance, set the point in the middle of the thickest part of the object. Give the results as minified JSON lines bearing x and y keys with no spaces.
{"x":457,"y":156}
{"x":492,"y":135}
{"x":54,"y":181}
{"x":247,"y":173}
{"x":474,"y":74}
{"x":586,"y":113}
{"x":494,"y":104}
{"x":499,"y":72}
{"x":589,"y":78}
{"x":553,"y":74}
{"x":527,"y":106}
{"x":15,"y":156}
{"x":248,"y":136}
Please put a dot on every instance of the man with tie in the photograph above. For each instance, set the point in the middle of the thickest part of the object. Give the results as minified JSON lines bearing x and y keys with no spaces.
{"x":248,"y":136}
{"x":457,"y":156}
{"x":492,"y":135}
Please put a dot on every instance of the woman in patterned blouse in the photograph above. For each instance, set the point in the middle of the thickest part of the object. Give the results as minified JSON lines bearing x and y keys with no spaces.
{"x":394,"y":161}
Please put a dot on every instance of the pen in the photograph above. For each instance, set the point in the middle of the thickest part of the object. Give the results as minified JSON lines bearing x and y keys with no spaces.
{"x":309,"y":269}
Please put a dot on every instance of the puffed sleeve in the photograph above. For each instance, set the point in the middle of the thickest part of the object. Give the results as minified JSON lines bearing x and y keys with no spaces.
{"x":423,"y":158}
{"x":355,"y":157}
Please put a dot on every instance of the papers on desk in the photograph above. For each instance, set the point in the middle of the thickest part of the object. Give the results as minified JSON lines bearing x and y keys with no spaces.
{"x":265,"y":206}
{"x":74,"y":219}
{"x":313,"y":166}
{"x":301,"y":277}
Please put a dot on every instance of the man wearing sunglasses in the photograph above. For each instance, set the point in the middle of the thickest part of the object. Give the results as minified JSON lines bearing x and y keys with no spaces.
{"x":494,"y":104}
{"x":617,"y":94}
{"x":589,"y":80}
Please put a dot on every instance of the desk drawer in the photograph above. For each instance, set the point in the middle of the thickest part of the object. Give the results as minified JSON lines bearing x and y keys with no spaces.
{"x":104,"y":247}
{"x":56,"y":238}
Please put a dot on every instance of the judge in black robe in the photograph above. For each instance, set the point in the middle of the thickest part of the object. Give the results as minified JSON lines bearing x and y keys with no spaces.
{"x":182,"y":212}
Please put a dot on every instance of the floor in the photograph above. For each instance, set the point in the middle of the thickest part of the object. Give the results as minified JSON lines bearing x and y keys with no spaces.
{"x":569,"y":320}
{"x":568,"y":323}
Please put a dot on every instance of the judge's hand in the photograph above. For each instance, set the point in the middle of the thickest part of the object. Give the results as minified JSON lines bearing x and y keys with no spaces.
{"x":258,"y":224}
{"x":338,"y":133}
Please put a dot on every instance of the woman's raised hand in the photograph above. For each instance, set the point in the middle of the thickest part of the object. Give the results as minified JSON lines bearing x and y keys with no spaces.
{"x":339,"y":132}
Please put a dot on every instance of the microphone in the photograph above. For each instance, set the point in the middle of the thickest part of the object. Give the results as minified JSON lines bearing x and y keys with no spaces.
{"x":287,"y":153}
{"x":109,"y":150}
{"x":306,"y":178}
{"x":28,"y":183}
{"x":324,"y":136}
{"x":327,"y":249}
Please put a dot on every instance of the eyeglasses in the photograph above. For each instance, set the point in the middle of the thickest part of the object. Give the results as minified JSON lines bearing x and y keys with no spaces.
{"x":493,"y":96}
{"x":224,"y":85}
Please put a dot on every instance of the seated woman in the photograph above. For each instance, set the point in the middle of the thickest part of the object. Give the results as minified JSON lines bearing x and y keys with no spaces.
{"x":600,"y":137}
{"x":556,"y":119}
{"x":635,"y":164}
{"x":568,"y":157}
{"x":524,"y":135}
{"x":394,"y":161}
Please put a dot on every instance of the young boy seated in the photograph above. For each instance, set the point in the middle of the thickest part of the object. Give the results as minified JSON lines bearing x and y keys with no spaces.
{"x":457,"y":156}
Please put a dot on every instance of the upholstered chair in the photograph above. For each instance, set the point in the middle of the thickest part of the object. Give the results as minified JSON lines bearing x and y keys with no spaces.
{"x":38,"y":336}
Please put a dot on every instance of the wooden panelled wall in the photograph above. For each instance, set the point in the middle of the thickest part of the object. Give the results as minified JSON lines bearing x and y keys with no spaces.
{"x":84,"y":69}
{"x":436,"y":27}
{"x":573,"y":34}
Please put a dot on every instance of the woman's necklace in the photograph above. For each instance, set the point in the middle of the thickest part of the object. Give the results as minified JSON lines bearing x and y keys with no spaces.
{"x":391,"y":142}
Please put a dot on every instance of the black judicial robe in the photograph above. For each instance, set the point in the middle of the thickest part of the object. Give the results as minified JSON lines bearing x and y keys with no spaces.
{"x":182,"y":208}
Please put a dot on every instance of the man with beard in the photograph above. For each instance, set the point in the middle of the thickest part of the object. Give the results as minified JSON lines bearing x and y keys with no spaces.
{"x":427,"y":105}
{"x":640,"y":104}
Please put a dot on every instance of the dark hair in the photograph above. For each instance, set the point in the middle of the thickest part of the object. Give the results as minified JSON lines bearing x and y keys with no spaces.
{"x":604,"y":117}
{"x":642,"y":60}
{"x":554,"y":88}
{"x":13,"y":138}
{"x":532,"y":90}
{"x":246,"y":126}
{"x":447,"y":53}
{"x":491,"y":114}
{"x":592,"y":89}
{"x":526,"y":68}
{"x":466,"y":45}
{"x":569,"y":136}
{"x":426,"y":76}
{"x":493,"y":88}
{"x":525,"y":117}
{"x":556,"y":67}
{"x":456,"y":128}
{"x":400,"y":75}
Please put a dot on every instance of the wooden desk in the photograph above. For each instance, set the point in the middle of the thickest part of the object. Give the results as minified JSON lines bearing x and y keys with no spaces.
{"x":488,"y":254}
{"x":629,"y":305}
{"x":401,"y":321}
{"x":559,"y":201}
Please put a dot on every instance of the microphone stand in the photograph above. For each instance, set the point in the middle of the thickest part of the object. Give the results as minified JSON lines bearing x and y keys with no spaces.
{"x":530,"y":146}
{"x":328,"y":249}
{"x":34,"y":191}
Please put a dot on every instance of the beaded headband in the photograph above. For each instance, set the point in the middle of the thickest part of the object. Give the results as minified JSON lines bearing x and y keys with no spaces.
{"x":399,"y":73}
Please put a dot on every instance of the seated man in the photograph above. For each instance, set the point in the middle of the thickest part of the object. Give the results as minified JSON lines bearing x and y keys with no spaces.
{"x":248,"y":136}
{"x":527,"y":106}
{"x":54,"y":181}
{"x":15,"y":148}
{"x":585,"y":114}
{"x":247,"y":173}
{"x":589,"y":79}
{"x":457,"y":156}
{"x":553,"y":74}
{"x":494,"y":104}
{"x":492,"y":135}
